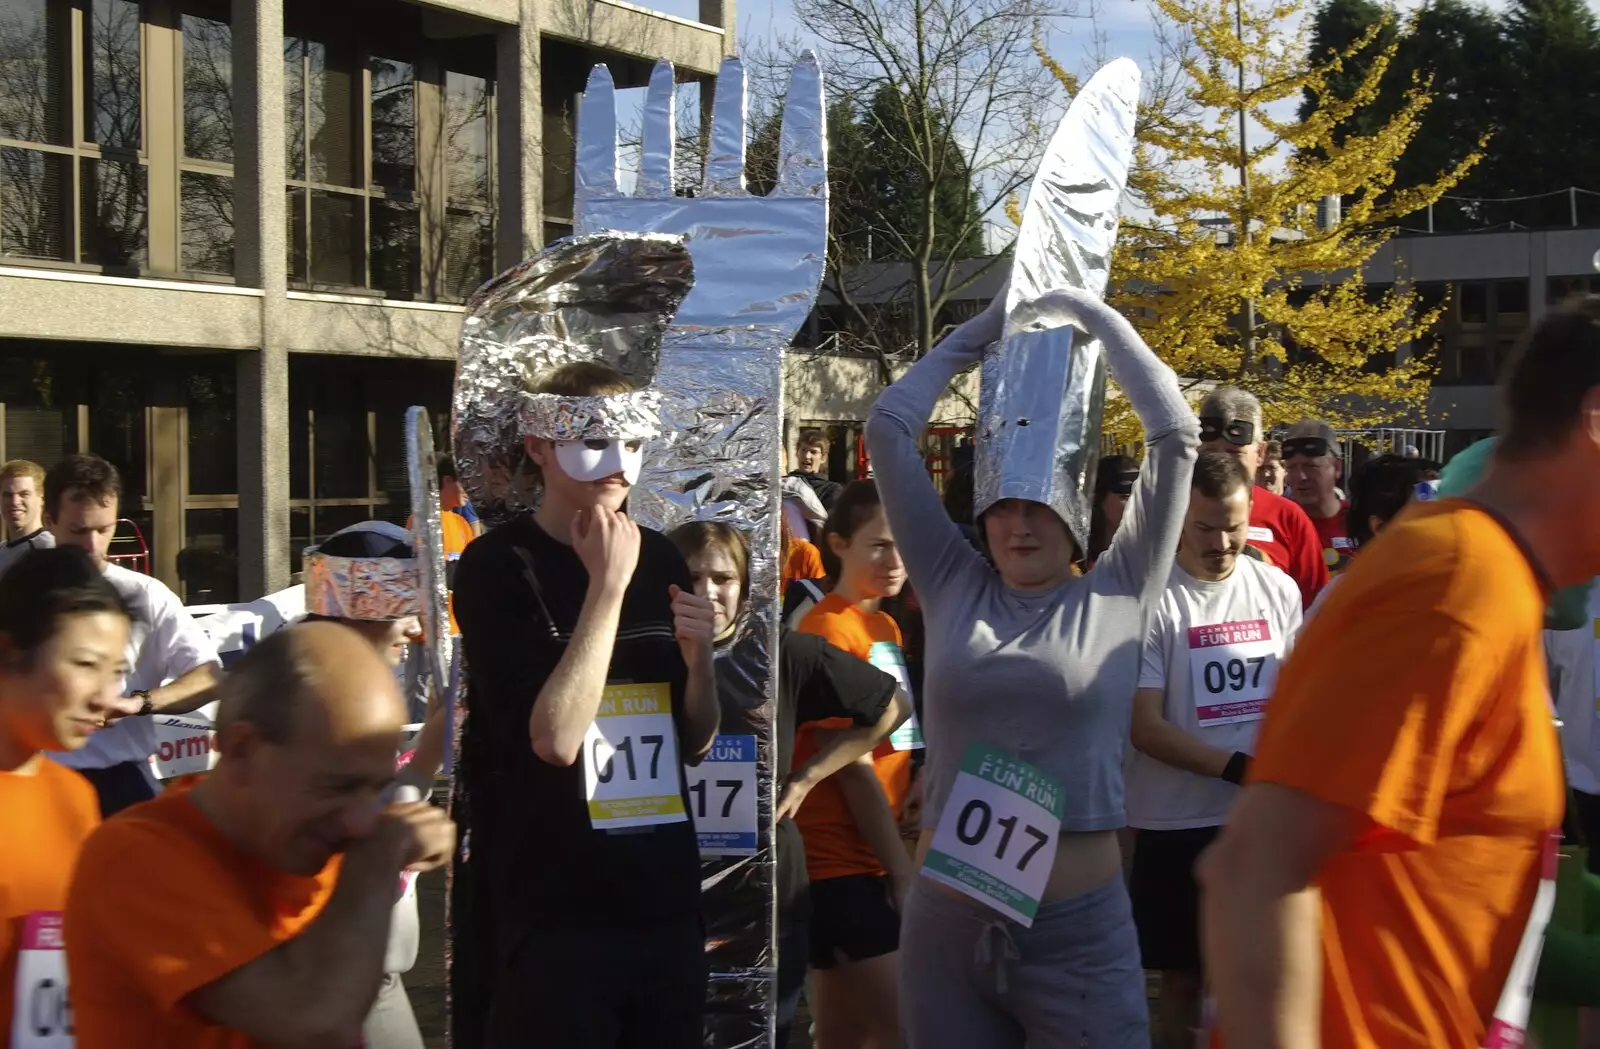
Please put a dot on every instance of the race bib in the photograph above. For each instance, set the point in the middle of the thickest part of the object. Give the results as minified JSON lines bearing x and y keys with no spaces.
{"x":630,"y":759}
{"x":722,"y":796}
{"x":1259,"y":534}
{"x":42,"y":1016}
{"x":1508,"y":1026}
{"x":887,"y":657}
{"x":1234,"y":666}
{"x":185,"y":744}
{"x":996,"y":839}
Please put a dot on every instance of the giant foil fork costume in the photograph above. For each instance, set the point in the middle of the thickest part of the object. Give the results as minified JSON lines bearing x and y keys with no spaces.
{"x":707,"y":420}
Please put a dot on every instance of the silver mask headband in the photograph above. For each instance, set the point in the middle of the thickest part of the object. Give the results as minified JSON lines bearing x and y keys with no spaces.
{"x":616,"y":416}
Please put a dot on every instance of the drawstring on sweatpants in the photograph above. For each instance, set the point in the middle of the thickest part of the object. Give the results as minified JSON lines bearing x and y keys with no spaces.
{"x":997,"y":954}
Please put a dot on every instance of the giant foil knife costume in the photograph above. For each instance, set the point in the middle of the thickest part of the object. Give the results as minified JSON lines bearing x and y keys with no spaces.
{"x":708,"y":362}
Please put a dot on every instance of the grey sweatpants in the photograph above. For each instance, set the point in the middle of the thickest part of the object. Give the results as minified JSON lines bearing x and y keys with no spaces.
{"x":391,"y":1024}
{"x":969,"y":977}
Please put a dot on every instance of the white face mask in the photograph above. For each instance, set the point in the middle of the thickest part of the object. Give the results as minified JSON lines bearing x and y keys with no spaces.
{"x":593,"y":460}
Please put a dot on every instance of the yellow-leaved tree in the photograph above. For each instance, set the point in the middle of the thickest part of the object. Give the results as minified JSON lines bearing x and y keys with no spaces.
{"x":1226,"y":263}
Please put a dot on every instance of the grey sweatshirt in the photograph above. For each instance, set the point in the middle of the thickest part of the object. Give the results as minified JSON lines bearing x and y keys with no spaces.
{"x":1045,"y":677}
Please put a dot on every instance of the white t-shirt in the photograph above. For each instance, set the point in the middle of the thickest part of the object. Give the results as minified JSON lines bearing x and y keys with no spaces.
{"x":164,"y":644}
{"x":12,"y":551}
{"x":1214,"y":649}
{"x":1572,"y":655}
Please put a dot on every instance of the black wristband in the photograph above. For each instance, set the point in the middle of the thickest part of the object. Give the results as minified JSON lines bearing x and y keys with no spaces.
{"x":1236,"y":768}
{"x":146,"y":708}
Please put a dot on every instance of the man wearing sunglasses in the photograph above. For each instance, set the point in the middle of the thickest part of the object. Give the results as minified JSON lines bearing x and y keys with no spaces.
{"x":1230,"y":421}
{"x":1313,"y":468}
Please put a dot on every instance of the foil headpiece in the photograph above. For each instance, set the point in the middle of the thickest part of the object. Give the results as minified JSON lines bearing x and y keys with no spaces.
{"x":606,"y":297}
{"x":607,"y":417}
{"x":1043,"y":385}
{"x":371,"y":588}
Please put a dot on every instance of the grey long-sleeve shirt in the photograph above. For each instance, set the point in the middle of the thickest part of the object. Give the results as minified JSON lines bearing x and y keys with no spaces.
{"x":1046,"y":677}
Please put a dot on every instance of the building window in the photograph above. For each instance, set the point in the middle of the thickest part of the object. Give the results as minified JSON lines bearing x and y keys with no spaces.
{"x":377,"y":202}
{"x":1564,"y":288}
{"x":205,"y":180}
{"x":1480,"y":326}
{"x":73,"y":189}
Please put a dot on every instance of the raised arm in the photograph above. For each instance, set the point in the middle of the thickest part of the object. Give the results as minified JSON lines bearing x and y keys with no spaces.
{"x":1141,"y":554}
{"x":932,"y":546}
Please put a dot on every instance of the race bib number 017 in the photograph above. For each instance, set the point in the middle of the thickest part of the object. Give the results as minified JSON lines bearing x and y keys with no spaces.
{"x":1234,"y":666}
{"x":42,"y":1015}
{"x":887,"y":657}
{"x":996,"y":839}
{"x":722,"y":795}
{"x":630,"y":759}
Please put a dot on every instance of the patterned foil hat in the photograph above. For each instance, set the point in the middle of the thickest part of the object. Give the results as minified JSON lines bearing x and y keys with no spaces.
{"x":369,"y":588}
{"x":616,"y":416}
{"x":606,"y":297}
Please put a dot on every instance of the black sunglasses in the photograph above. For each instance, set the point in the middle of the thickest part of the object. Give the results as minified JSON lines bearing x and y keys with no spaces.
{"x":1123,"y":483}
{"x":1236,"y":431}
{"x":1313,"y":447}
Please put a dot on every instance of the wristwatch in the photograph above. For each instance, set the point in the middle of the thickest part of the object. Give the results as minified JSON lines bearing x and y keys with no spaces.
{"x":146,"y":708}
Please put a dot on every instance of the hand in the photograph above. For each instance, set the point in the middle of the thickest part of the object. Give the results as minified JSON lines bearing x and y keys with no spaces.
{"x":421,"y":836}
{"x":911,"y":812}
{"x":607,"y":542}
{"x":794,"y":795}
{"x":694,"y":622}
{"x":123,"y":707}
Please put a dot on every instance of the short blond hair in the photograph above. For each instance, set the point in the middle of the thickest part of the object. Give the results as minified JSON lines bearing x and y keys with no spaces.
{"x":23,"y":468}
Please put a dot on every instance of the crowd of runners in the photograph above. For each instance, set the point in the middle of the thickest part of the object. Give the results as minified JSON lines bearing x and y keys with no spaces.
{"x":1291,"y":739}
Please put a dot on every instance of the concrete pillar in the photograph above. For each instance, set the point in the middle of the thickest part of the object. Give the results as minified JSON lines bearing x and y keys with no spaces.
{"x":520,"y":138}
{"x":1538,"y":276}
{"x":724,"y":14}
{"x":261,"y":261}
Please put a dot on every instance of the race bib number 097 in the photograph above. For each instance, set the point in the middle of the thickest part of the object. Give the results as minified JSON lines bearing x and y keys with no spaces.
{"x":1233,"y":666}
{"x":722,"y":793}
{"x":42,"y":1014}
{"x":630,"y":759}
{"x":996,"y":839}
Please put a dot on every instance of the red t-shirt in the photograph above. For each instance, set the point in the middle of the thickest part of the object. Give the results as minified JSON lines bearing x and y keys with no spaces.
{"x":1282,"y":531}
{"x":1333,"y":535}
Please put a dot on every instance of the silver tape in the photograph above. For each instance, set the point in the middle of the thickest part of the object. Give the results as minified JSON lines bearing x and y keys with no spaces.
{"x":757,"y":267}
{"x":1043,"y":385}
{"x":605,"y":297}
{"x":608,"y":417}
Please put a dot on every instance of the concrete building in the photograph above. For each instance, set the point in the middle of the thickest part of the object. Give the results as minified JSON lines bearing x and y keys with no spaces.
{"x":235,"y":238}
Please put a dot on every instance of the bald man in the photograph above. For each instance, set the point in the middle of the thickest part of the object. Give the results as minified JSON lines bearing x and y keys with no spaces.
{"x":254,"y":909}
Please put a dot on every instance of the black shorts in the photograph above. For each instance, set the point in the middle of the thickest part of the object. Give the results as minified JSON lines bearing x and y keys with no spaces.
{"x":1166,"y":898}
{"x":852,"y":919}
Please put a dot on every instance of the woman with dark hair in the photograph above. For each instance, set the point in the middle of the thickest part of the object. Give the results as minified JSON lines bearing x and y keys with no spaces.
{"x":816,"y":683}
{"x":63,"y":638}
{"x":1113,"y":484}
{"x":1380,"y":490}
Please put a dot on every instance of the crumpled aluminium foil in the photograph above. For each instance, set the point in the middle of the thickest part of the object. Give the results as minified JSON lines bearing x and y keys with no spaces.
{"x":617,"y":416}
{"x":758,"y":265}
{"x":1043,"y":385}
{"x":373,"y":588}
{"x":606,"y":297}
{"x":422,"y":469}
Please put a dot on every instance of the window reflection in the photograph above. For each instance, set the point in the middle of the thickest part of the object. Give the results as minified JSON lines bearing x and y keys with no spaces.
{"x":207,"y":89}
{"x":33,"y":71}
{"x":207,"y":204}
{"x":34,"y":204}
{"x":114,"y":86}
{"x":114,"y":210}
{"x":394,"y":125}
{"x":466,"y":102}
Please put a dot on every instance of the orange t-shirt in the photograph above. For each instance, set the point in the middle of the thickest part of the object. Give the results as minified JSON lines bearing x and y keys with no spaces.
{"x":45,"y":816}
{"x":162,"y":905}
{"x":456,"y":534}
{"x":804,"y":562}
{"x":1418,"y":697}
{"x":834,"y":847}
